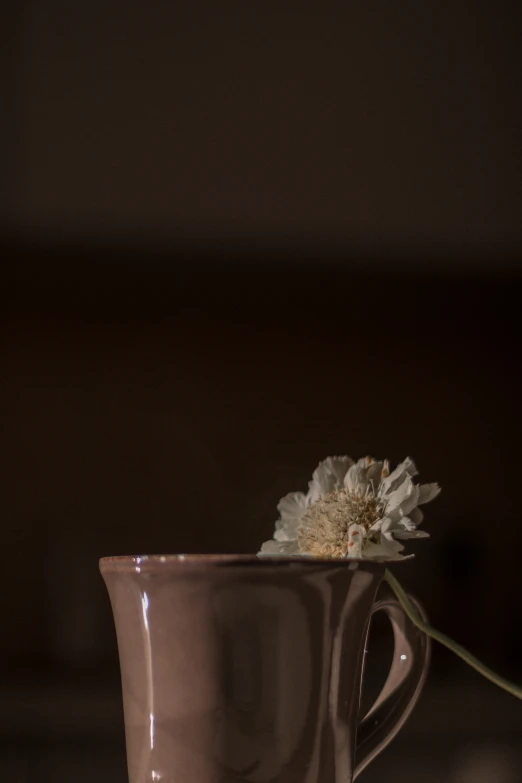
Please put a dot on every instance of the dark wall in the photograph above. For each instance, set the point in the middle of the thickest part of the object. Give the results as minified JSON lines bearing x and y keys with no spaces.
{"x":372,"y":123}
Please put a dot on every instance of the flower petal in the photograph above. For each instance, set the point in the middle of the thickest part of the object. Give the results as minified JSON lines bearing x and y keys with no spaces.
{"x":328,"y":476}
{"x":404,"y":535}
{"x":373,"y":475}
{"x":416,"y":516}
{"x":286,"y":530}
{"x":279,"y":548}
{"x":291,"y":507}
{"x":391,"y":546}
{"x":374,"y":550}
{"x":401,"y":528}
{"x":377,"y":525}
{"x":386,"y":549}
{"x":356,"y":534}
{"x":403,"y":499}
{"x":356,"y":478}
{"x":404,"y":470}
{"x":404,"y":523}
{"x":387,"y":525}
{"x":428,"y":492}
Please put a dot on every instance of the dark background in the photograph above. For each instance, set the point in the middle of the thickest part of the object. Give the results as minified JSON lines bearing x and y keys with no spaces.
{"x":237,"y":237}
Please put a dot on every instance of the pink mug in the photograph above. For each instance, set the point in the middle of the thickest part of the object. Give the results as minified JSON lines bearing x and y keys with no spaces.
{"x":237,"y":669}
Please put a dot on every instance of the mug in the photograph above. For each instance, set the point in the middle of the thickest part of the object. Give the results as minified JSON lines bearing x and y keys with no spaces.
{"x":239,"y":669}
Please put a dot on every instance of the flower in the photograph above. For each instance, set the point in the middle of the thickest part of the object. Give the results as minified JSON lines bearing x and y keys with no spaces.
{"x":352,"y":510}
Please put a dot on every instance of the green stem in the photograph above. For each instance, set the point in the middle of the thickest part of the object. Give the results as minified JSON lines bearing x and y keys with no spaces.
{"x":466,"y":656}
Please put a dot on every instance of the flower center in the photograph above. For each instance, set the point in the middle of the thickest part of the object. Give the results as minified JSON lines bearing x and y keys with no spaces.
{"x":323,"y":530}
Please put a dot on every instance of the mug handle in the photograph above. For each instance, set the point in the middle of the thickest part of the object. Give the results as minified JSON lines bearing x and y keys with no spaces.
{"x":402,"y":688}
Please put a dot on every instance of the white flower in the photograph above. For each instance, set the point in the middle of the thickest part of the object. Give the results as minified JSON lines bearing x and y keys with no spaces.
{"x":352,"y":510}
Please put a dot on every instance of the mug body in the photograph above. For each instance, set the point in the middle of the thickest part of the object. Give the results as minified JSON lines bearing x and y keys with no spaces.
{"x":237,"y":669}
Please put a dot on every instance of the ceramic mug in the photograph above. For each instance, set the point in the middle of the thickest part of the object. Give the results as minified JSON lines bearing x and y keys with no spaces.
{"x":238,"y":669}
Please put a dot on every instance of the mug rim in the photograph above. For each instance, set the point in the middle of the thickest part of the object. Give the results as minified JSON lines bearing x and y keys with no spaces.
{"x":139,"y":563}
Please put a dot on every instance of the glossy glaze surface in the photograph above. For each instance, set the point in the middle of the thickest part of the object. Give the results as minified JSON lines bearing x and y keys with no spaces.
{"x":241,"y":670}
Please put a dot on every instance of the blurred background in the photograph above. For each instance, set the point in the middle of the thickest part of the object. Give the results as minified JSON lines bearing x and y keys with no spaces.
{"x":238,"y":237}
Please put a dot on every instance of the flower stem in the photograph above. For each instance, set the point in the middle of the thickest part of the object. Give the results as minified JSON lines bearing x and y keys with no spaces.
{"x":466,"y":656}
